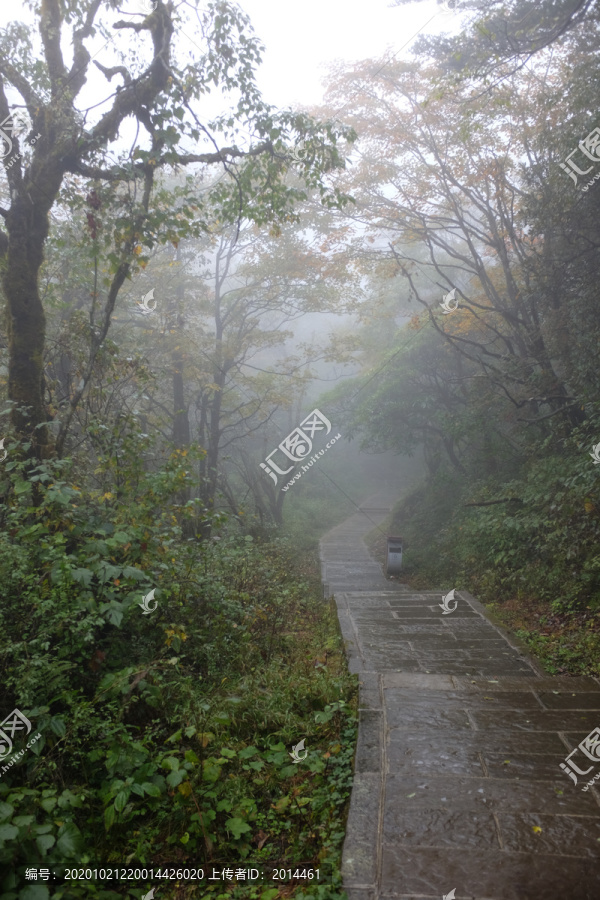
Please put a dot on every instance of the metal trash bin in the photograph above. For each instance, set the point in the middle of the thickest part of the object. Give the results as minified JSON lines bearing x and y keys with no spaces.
{"x":394,"y":555}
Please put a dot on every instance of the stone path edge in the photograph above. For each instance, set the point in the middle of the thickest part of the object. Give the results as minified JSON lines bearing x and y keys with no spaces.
{"x":515,"y":642}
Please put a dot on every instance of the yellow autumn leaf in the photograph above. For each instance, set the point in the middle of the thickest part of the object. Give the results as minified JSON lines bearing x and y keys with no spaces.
{"x":536,"y":829}
{"x":185,"y":788}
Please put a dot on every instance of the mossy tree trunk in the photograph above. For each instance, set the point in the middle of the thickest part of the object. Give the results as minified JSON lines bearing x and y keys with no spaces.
{"x":27,"y":226}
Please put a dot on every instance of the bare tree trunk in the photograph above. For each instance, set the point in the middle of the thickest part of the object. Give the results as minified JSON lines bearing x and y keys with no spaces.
{"x":27,"y":227}
{"x":181,"y":423}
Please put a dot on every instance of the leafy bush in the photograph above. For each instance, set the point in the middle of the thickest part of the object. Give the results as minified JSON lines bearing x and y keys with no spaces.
{"x":542,"y":544}
{"x":164,"y":736}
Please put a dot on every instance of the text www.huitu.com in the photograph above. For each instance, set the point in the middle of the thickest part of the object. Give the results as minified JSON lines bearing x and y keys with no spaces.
{"x":313,"y":459}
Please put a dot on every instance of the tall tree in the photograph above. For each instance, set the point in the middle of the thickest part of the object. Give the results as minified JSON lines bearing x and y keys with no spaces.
{"x":160,"y":97}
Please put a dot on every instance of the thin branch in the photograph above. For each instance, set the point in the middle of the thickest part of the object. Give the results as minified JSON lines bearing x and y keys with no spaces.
{"x":493,"y":502}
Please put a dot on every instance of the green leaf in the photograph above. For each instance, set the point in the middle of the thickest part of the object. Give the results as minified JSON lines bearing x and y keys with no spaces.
{"x":247,"y":752}
{"x":34,"y":892}
{"x":110,"y":815}
{"x":8,"y":832}
{"x":115,"y":616}
{"x":82,"y":576}
{"x":44,"y":842}
{"x":176,"y":777}
{"x":151,"y":789}
{"x":121,"y":799}
{"x":6,"y":810}
{"x":58,"y":726}
{"x":210,"y":772}
{"x":131,"y":572}
{"x":269,"y":894}
{"x":70,"y":840}
{"x":237,"y":827}
{"x":23,"y":820}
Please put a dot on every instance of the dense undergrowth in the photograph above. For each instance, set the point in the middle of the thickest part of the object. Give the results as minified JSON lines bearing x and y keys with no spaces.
{"x":165,"y":737}
{"x":534,"y":559}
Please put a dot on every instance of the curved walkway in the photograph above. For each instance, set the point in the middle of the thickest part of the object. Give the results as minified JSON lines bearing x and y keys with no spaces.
{"x":457,"y":773}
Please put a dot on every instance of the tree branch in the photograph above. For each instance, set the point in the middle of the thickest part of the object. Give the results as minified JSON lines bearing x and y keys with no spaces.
{"x":493,"y":502}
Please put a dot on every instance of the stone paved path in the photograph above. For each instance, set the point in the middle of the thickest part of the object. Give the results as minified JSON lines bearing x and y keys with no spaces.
{"x":457,"y":779}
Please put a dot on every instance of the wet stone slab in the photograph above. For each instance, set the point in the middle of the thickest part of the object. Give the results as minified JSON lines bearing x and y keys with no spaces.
{"x":557,"y":700}
{"x":565,"y":835}
{"x":424,"y":827}
{"x":416,"y":716}
{"x":406,"y":758}
{"x":546,"y":720}
{"x":477,"y":791}
{"x":399,"y":696}
{"x":478,"y":667}
{"x":541,"y":767}
{"x":493,"y":875}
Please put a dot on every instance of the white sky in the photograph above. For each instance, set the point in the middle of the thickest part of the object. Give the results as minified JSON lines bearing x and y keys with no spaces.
{"x":302,"y":37}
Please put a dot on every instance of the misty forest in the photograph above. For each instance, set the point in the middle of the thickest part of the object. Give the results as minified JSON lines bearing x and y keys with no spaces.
{"x":226,"y":325}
